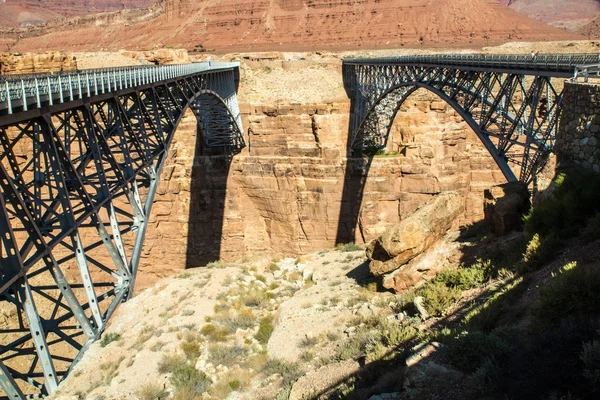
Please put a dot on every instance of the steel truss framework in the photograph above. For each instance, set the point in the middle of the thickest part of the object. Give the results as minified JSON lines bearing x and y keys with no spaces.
{"x":78,"y":181}
{"x":515,"y":113}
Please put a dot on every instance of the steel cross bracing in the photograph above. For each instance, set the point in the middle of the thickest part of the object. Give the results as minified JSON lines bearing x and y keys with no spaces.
{"x":79,"y":167}
{"x":510,"y":101}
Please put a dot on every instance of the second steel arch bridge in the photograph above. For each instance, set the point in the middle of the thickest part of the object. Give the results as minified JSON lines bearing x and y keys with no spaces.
{"x":511,"y":102}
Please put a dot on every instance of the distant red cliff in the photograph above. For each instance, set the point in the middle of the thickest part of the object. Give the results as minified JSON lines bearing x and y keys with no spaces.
{"x":242,"y":25}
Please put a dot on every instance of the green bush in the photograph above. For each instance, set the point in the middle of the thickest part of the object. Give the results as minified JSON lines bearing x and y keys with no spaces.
{"x":470,"y":350}
{"x":438,"y":297}
{"x":215,"y":333}
{"x":539,"y":252}
{"x":226,"y":355}
{"x":191,"y":349}
{"x":564,"y":213}
{"x":289,"y":371}
{"x":265,"y":330}
{"x":466,"y":277}
{"x":169,"y":362}
{"x":501,"y":307}
{"x":186,"y":377}
{"x":573,"y":291}
{"x":108,"y":338}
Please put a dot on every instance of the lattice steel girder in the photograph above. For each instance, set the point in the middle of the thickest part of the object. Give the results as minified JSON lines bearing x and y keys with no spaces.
{"x":78,"y":180}
{"x":514,"y":115}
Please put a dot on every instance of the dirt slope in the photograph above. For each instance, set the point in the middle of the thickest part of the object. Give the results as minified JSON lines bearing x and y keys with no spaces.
{"x":227,"y":25}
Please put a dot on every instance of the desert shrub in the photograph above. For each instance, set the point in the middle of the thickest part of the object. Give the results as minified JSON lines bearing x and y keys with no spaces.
{"x":438,"y":297}
{"x":234,"y":384}
{"x":226,"y":355}
{"x":308,"y":341}
{"x":469,"y":350}
{"x":191,"y":350}
{"x":265,"y":330}
{"x":243,"y":319}
{"x":186,"y":377}
{"x":356,"y":344}
{"x":573,"y":201}
{"x":590,"y":356}
{"x":347,"y":247}
{"x":572,"y":291}
{"x":216,"y":264}
{"x":540,"y":251}
{"x":215,"y":333}
{"x":108,"y":338}
{"x":169,"y":362}
{"x":289,"y":371}
{"x":591,"y":232}
{"x":394,"y":334}
{"x":150,"y":391}
{"x":547,"y":361}
{"x":498,"y":309}
{"x":466,"y":277}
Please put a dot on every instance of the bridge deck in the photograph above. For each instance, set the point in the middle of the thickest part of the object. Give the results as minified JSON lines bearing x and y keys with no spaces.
{"x":22,"y":94}
{"x":553,"y":65}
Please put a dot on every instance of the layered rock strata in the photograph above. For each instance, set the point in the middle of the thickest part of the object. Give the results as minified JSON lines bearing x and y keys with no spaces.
{"x":285,"y":193}
{"x":15,"y":63}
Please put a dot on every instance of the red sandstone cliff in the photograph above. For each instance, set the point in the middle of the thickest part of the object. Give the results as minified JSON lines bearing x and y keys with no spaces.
{"x":228,"y":25}
{"x":15,"y":13}
{"x":570,"y":15}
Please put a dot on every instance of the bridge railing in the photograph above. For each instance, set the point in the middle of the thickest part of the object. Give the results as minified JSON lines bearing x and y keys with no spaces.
{"x":34,"y":90}
{"x":546,"y":62}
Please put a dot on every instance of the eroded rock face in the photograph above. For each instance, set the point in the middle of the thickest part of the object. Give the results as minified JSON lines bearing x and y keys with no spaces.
{"x":16,"y":63}
{"x":504,"y":207}
{"x":414,"y":234}
{"x":160,"y":56}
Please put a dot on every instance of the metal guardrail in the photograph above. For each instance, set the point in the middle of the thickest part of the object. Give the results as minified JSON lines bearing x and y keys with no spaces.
{"x":564,"y":63}
{"x":31,"y":91}
{"x":587,"y":71}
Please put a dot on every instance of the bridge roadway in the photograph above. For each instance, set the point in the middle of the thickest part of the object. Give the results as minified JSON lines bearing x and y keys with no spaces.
{"x":80,"y":157}
{"x":510,"y":101}
{"x":81,"y":153}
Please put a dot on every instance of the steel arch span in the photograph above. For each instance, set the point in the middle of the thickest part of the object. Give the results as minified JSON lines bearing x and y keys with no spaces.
{"x":511,"y":102}
{"x":80,"y":160}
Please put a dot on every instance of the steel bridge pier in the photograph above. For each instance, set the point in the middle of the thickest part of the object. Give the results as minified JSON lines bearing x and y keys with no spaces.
{"x":80,"y":158}
{"x":511,"y":102}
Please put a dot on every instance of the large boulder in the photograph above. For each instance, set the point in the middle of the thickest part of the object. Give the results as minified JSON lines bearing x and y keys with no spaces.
{"x":504,"y":206}
{"x":414,"y":234}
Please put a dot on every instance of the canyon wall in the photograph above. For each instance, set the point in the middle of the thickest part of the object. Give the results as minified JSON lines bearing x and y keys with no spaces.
{"x":293,"y":190}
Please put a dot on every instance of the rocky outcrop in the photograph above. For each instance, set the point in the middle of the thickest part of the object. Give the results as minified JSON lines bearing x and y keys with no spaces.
{"x":415,"y":234}
{"x":160,"y":56}
{"x":504,"y":207}
{"x":15,"y":63}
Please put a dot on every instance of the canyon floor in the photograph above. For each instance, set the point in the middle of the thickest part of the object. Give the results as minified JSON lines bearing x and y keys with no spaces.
{"x":253,"y":327}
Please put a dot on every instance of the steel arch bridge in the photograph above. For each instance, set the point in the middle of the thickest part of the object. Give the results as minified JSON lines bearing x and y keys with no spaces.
{"x":510,"y":101}
{"x":80,"y":158}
